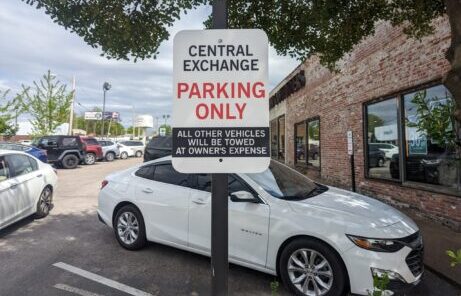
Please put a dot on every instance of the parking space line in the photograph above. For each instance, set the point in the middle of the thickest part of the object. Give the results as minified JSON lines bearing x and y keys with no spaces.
{"x":102,"y":280}
{"x":74,"y":290}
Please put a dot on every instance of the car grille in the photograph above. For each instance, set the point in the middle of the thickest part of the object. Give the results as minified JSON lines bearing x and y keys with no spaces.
{"x":415,"y":258}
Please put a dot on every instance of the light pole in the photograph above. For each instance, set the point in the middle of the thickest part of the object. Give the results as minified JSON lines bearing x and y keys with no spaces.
{"x":105,"y":87}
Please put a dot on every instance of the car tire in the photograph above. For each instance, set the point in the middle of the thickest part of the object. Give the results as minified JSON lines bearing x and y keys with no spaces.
{"x":300,"y":274}
{"x":133,"y":238}
{"x":70,"y":161}
{"x":380,"y":163}
{"x":124,"y":155}
{"x":90,"y":158}
{"x":138,"y":153}
{"x":110,"y":156}
{"x":44,"y":204}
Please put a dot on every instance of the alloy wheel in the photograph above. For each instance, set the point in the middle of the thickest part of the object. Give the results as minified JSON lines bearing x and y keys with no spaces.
{"x":45,"y":201}
{"x":128,"y":228}
{"x":310,"y":272}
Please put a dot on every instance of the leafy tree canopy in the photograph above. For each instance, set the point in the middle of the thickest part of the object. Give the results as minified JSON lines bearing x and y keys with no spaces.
{"x":127,"y":29}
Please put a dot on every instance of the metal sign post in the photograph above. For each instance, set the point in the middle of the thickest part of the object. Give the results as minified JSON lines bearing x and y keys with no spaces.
{"x":219,"y":197}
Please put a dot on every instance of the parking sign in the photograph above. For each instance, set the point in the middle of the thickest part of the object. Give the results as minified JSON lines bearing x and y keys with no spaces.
{"x":221,"y":102}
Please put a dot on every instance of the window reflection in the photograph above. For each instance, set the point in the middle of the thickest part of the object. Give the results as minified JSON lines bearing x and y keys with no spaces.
{"x":382,"y":133}
{"x":300,"y":142}
{"x":314,"y":142}
{"x":281,"y":140}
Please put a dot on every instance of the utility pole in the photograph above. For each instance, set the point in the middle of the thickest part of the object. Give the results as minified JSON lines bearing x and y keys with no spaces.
{"x":71,"y":117}
{"x":219,"y":199}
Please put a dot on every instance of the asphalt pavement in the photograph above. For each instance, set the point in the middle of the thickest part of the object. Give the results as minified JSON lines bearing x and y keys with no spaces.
{"x":71,"y":253}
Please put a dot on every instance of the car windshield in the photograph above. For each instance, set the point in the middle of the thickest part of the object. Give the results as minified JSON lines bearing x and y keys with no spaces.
{"x":282,"y":182}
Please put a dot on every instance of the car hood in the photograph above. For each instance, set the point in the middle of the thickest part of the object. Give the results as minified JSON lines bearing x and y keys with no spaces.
{"x":357,"y":209}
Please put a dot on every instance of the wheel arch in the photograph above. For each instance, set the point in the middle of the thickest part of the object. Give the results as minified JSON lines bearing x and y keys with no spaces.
{"x":296,"y":237}
{"x":121,"y":205}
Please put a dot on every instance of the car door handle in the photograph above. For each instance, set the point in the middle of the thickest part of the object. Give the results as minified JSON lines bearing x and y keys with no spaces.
{"x":13,"y":186}
{"x":39,"y":176}
{"x":199,"y":201}
{"x":148,"y":190}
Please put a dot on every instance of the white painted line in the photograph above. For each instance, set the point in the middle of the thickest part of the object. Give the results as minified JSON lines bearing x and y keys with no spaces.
{"x":75,"y":290}
{"x":102,"y":280}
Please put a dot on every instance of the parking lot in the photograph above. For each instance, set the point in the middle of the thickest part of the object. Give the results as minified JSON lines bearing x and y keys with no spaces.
{"x":71,"y":253}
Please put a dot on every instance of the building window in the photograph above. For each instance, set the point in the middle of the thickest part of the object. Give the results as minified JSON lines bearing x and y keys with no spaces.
{"x":281,"y":139}
{"x":300,"y":143}
{"x":430,"y":142}
{"x":425,"y":131}
{"x":383,"y":140}
{"x":313,"y":142}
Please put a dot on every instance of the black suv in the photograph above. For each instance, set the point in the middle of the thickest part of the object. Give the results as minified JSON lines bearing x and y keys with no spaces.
{"x":158,"y":147}
{"x":63,"y":151}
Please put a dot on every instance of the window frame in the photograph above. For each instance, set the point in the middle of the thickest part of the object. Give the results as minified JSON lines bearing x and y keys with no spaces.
{"x":306,"y":149}
{"x":402,"y":181}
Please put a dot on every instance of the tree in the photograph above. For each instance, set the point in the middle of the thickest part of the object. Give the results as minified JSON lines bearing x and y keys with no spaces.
{"x":327,"y":28}
{"x":7,"y":128}
{"x":48,"y":103}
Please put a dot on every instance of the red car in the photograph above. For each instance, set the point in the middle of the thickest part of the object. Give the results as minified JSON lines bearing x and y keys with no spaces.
{"x":93,"y":150}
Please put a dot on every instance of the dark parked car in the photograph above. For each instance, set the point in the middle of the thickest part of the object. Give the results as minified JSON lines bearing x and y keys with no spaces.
{"x":158,"y":147}
{"x":62,"y":151}
{"x":376,"y":157}
{"x":420,"y":168}
{"x":34,"y":151}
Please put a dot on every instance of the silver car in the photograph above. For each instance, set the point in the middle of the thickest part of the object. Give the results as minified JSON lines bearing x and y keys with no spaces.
{"x":110,"y":150}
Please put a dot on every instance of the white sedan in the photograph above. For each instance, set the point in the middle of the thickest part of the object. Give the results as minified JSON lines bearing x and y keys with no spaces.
{"x":26,"y":187}
{"x":130,"y":148}
{"x":320,"y":240}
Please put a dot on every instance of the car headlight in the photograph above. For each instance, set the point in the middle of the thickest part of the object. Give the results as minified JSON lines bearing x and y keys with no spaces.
{"x":376,"y":244}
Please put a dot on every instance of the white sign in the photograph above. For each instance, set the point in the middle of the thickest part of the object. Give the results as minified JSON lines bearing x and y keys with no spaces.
{"x":93,"y":115}
{"x":221,"y":101}
{"x":350,"y":143}
{"x":162,"y":132}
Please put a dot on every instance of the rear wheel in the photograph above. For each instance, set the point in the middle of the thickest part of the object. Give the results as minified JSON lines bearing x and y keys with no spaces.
{"x":90,"y":158}
{"x":69,"y":161}
{"x":44,"y":203}
{"x":124,"y":155}
{"x":309,"y":267}
{"x":138,"y":153}
{"x":129,"y":228}
{"x":110,"y":156}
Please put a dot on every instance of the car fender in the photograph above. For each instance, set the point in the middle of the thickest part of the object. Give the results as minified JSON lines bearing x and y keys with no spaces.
{"x":72,"y":151}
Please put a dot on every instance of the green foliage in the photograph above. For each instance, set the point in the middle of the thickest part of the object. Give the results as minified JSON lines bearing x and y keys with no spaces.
{"x":167,"y":128}
{"x":94,"y":126}
{"x":380,"y":284}
{"x":137,"y":131}
{"x":435,"y":118}
{"x":48,"y":103}
{"x":329,"y":28}
{"x":7,"y":128}
{"x":455,"y":257}
{"x":275,"y":287}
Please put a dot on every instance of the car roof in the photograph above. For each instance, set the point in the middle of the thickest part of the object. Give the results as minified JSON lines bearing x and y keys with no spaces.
{"x":5,"y":152}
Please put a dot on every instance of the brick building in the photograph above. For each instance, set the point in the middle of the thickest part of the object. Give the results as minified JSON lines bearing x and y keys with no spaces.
{"x":375,"y":97}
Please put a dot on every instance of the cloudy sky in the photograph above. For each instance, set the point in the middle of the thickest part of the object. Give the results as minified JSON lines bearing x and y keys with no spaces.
{"x":30,"y":44}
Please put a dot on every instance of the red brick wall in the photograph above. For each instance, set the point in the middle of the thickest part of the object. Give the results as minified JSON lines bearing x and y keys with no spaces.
{"x":381,"y":65}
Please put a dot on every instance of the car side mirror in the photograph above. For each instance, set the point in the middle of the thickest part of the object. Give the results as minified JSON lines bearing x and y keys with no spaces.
{"x":243,"y":196}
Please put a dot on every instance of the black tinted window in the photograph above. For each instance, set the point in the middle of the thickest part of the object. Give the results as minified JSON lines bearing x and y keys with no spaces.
{"x":204,"y":183}
{"x":161,"y":142}
{"x":53,"y":141}
{"x":146,"y":172}
{"x":165,"y":173}
{"x":236,"y":185}
{"x":69,"y":142}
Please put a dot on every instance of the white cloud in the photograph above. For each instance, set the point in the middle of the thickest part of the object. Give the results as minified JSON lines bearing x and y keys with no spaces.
{"x":30,"y":44}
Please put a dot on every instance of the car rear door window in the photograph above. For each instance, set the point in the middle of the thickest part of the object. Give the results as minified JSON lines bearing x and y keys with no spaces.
{"x":20,"y":164}
{"x":69,"y":142}
{"x":4,"y":171}
{"x":203,"y":183}
{"x":49,"y":142}
{"x":165,"y":173}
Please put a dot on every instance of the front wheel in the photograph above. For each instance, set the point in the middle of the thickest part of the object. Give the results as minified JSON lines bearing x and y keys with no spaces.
{"x":309,"y":267}
{"x":44,"y":203}
{"x":129,"y":228}
{"x":124,"y":155}
{"x":110,"y":156}
{"x":138,"y":153}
